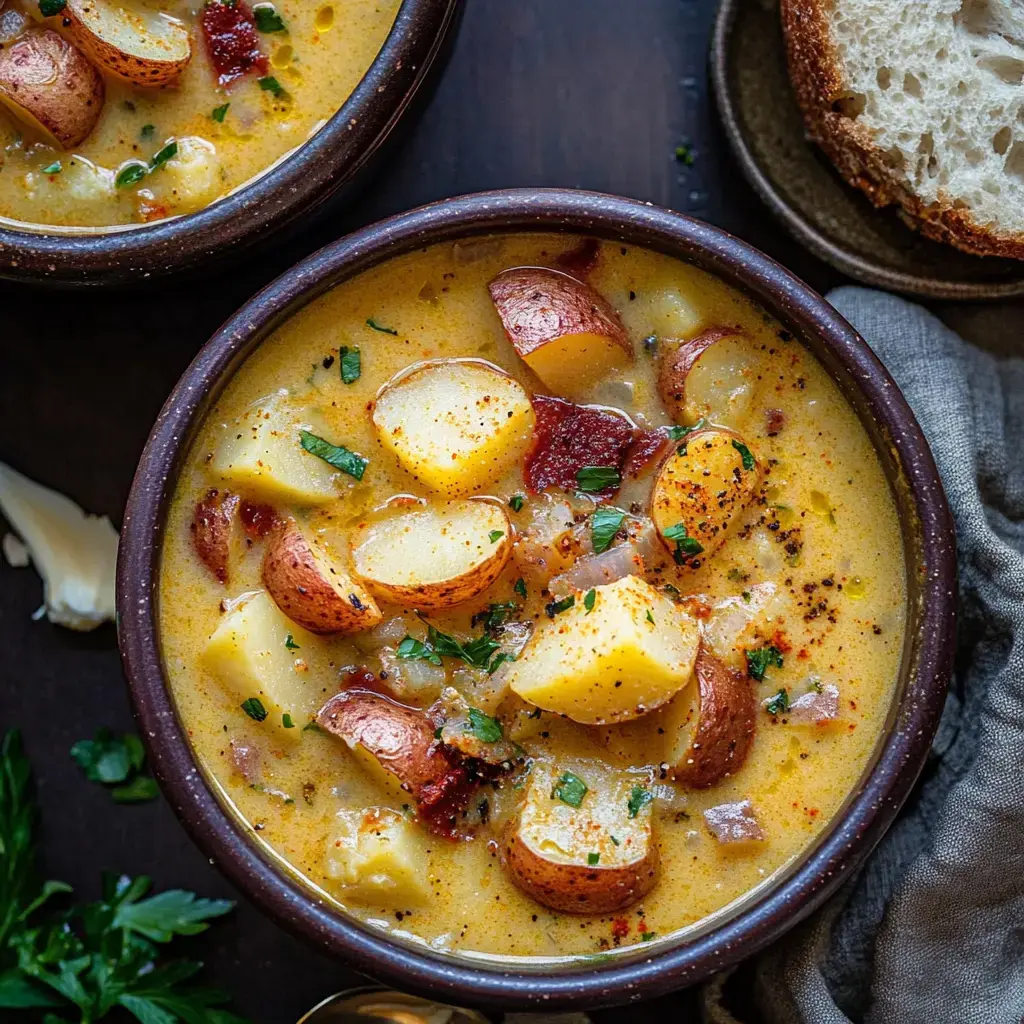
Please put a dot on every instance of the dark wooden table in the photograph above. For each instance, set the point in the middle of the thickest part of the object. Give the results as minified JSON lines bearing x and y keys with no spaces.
{"x":586,"y":93}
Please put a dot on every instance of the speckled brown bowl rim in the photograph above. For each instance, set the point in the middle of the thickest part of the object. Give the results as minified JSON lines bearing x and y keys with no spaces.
{"x":825,"y":247}
{"x":293,"y":189}
{"x":931,"y":569}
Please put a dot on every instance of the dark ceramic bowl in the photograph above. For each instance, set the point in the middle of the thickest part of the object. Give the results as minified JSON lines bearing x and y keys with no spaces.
{"x":271,"y":204}
{"x":869,"y":810}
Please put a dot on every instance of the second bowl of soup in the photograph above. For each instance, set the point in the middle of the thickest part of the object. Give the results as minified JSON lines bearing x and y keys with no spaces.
{"x":538,"y":601}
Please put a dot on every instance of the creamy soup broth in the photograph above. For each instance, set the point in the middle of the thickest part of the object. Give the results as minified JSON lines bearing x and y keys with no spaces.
{"x":812,"y":573}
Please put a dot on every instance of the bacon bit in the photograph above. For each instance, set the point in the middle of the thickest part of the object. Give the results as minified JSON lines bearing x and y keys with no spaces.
{"x":232,"y":40}
{"x":620,"y":928}
{"x":580,"y":260}
{"x":803,"y":654}
{"x":645,"y":450}
{"x":568,"y":437}
{"x":779,"y":640}
{"x":775,"y":420}
{"x":258,"y":520}
{"x":442,"y":800}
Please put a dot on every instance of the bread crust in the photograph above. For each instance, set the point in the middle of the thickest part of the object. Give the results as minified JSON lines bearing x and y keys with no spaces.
{"x":820,"y":90}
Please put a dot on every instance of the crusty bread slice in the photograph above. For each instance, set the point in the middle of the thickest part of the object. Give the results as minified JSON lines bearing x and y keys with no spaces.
{"x":920,"y":103}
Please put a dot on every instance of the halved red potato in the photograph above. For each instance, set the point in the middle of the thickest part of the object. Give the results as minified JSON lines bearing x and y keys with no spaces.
{"x":434,"y":557}
{"x":143,"y":47}
{"x":50,"y":86}
{"x":716,"y":744}
{"x":216,"y":529}
{"x":455,"y":424}
{"x":583,"y":841}
{"x":566,"y":332}
{"x":313,"y":587}
{"x":394,"y":742}
{"x":709,"y":376}
{"x":699,"y":490}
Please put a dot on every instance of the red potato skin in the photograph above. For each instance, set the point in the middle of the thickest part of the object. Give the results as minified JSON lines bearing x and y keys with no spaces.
{"x":576,"y":888}
{"x":677,"y":363}
{"x":537,"y":305}
{"x":725,"y":725}
{"x":295,"y":582}
{"x":212,"y":525}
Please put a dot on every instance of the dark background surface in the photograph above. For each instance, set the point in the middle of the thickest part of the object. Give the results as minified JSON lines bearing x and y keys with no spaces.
{"x":584,"y":93}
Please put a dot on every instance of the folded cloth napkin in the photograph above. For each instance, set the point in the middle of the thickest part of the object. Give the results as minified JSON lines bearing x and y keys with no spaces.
{"x":932,"y":928}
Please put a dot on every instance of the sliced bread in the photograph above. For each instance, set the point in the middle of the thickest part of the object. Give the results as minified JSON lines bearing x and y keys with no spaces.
{"x":920,"y":103}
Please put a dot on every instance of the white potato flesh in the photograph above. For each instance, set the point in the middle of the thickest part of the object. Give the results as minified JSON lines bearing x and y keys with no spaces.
{"x":261,"y":452}
{"x":633,"y":652}
{"x":249,"y":655}
{"x":668,"y":312}
{"x":191,"y":179}
{"x":456,"y":425}
{"x":434,"y":557}
{"x":378,"y":856}
{"x":720,"y":385}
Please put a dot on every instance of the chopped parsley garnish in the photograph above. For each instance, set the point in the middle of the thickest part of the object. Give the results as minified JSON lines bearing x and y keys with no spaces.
{"x":745,"y":455}
{"x":51,"y":8}
{"x":605,"y":522}
{"x":617,"y":842}
{"x":554,"y":607}
{"x":647,"y":936}
{"x":593,"y":859}
{"x":167,"y":153}
{"x":334,"y":455}
{"x":684,"y":155}
{"x":520,"y":587}
{"x":272,"y":85}
{"x":516,"y":502}
{"x":351,"y":366}
{"x":495,"y":535}
{"x":370,"y":322}
{"x":759,"y":661}
{"x":685,"y":544}
{"x":413,"y":649}
{"x":286,"y":721}
{"x":650,"y":617}
{"x":254,"y":708}
{"x":639,"y":798}
{"x":570,"y":789}
{"x":267,"y":19}
{"x":590,"y":600}
{"x":147,"y":131}
{"x":495,"y":615}
{"x":289,"y":642}
{"x":591,"y":479}
{"x":476,"y":652}
{"x":54,"y":168}
{"x":311,"y":726}
{"x":650,"y":344}
{"x":219,"y":113}
{"x":116,"y":761}
{"x":499,"y":659}
{"x":677,"y":433}
{"x":778,"y":704}
{"x":483,"y":727}
{"x":131,"y":174}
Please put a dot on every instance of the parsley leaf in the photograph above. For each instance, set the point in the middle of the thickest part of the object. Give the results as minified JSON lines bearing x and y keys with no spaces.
{"x":520,"y":587}
{"x":131,"y":174}
{"x":219,"y":113}
{"x":495,"y":535}
{"x":639,"y":798}
{"x":162,"y":156}
{"x":414,"y":649}
{"x":605,"y":522}
{"x":371,"y":323}
{"x":553,"y":608}
{"x":745,"y":454}
{"x":759,"y":661}
{"x":590,"y":600}
{"x":110,"y":760}
{"x":475,"y":652}
{"x":267,"y":19}
{"x":778,"y":704}
{"x":272,"y":85}
{"x":516,"y":502}
{"x":685,"y":544}
{"x":677,"y":433}
{"x":593,"y":859}
{"x":570,"y":789}
{"x":334,"y":455}
{"x":289,"y":642}
{"x":591,"y":479}
{"x":351,"y":365}
{"x":51,"y":8}
{"x":483,"y":727}
{"x":54,"y":168}
{"x":254,"y":708}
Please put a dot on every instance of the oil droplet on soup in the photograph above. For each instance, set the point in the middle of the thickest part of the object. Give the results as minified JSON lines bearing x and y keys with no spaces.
{"x":406,"y":547}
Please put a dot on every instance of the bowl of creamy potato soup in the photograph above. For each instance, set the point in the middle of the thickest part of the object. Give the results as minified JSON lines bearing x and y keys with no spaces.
{"x":537,"y":598}
{"x":143,"y":135}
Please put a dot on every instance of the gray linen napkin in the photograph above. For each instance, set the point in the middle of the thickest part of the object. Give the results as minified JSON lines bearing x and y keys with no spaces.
{"x":932,"y":929}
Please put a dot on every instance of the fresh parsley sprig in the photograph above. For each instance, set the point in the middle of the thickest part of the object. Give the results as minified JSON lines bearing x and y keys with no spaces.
{"x":117,"y":762}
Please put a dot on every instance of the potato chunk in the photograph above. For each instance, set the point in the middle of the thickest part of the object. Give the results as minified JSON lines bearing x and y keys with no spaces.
{"x":628,"y":655}
{"x":701,"y":488}
{"x":313,"y":586}
{"x":377,"y":856}
{"x":249,"y":653}
{"x":582,"y":842}
{"x":455,"y":424}
{"x":262,"y":452}
{"x":566,"y":332}
{"x":434,"y":558}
